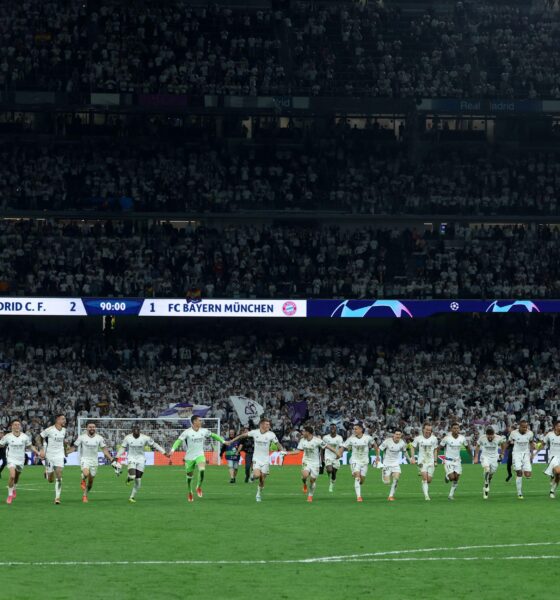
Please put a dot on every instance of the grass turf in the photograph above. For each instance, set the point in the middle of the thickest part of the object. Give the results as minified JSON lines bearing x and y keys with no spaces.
{"x":228,"y":525}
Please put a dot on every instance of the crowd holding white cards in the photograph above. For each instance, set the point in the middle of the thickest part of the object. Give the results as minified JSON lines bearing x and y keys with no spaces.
{"x":318,"y":454}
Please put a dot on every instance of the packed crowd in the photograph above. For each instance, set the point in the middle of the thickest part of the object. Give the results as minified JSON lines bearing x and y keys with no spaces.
{"x":334,"y":48}
{"x":338,"y":172}
{"x":488,"y":374}
{"x":42,"y":258}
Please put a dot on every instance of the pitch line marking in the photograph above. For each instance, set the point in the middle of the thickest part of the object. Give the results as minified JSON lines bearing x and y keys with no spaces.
{"x":386,"y":556}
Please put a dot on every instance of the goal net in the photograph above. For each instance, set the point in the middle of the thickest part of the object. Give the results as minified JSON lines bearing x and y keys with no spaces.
{"x":164,"y":431}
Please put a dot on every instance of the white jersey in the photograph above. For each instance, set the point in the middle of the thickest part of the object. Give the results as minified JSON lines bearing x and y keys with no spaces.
{"x":335,"y":442}
{"x":194,"y":440}
{"x":359,"y":448}
{"x":262,"y":444}
{"x":491,"y":449}
{"x":89,"y":445}
{"x":54,"y":439}
{"x":392,"y":452}
{"x":521,"y":442}
{"x":134,"y":446}
{"x":426,"y":447}
{"x":552,"y":442}
{"x":311,"y":450}
{"x":16,"y":445}
{"x":453,"y":446}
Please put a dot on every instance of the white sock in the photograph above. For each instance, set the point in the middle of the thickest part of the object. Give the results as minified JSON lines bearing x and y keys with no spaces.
{"x":425,"y":488}
{"x":259,"y":490}
{"x":454,"y":485}
{"x":519,"y":485}
{"x":312,"y":489}
{"x":11,"y":491}
{"x":358,"y":487}
{"x":394,"y":487}
{"x":57,"y":487}
{"x":136,"y":487}
{"x":553,"y":486}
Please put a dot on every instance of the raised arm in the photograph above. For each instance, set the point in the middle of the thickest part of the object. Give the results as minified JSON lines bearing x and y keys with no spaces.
{"x":241,"y":436}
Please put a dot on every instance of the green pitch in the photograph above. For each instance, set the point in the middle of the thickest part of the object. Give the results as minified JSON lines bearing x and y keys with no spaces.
{"x":385,"y":550}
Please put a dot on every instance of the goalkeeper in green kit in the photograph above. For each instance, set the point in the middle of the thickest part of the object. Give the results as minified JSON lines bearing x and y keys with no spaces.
{"x":194,"y":438}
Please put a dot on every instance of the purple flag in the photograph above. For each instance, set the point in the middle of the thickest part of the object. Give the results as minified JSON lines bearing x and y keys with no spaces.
{"x":297,"y":411}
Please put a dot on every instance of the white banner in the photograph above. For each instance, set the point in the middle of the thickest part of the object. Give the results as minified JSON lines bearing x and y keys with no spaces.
{"x":246,"y":409}
{"x":223,"y":308}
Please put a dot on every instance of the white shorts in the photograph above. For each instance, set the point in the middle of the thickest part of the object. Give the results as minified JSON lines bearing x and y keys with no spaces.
{"x":88,"y":463}
{"x":453,"y":466}
{"x":137,"y":465}
{"x":428,"y":469}
{"x":18,"y":467}
{"x":388,"y":470}
{"x":311,"y":468}
{"x":490,"y":464}
{"x":522,"y":462}
{"x":54,"y":462}
{"x":263,"y":467}
{"x":361,"y":468}
{"x":553,"y":463}
{"x":332,"y":462}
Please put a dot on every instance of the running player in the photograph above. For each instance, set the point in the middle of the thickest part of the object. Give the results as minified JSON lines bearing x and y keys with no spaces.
{"x":331,"y":460}
{"x":194,"y":438}
{"x":427,"y":445}
{"x":453,"y":442}
{"x":311,"y":461}
{"x":359,"y":444}
{"x":16,"y":443}
{"x":490,"y":445}
{"x":522,"y":454}
{"x":263,"y":438}
{"x":552,"y":441}
{"x":53,"y":453}
{"x":89,"y":444}
{"x":392,"y":449}
{"x":134,"y":444}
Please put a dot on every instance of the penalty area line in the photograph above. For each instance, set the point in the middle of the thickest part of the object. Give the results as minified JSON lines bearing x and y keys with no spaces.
{"x":372,"y":559}
{"x":387,"y":556}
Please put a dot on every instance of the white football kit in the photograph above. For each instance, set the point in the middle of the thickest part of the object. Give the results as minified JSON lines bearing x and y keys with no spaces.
{"x":15,"y":449}
{"x":89,"y":446}
{"x":359,"y":446}
{"x":490,"y":456}
{"x":392,"y":456}
{"x":453,"y":447}
{"x":261,"y":455}
{"x":331,"y":459}
{"x":311,"y":455}
{"x":521,"y":453}
{"x":552,"y":442}
{"x":194,"y":441}
{"x":134,"y":447}
{"x":55,"y":454}
{"x":426,"y":447}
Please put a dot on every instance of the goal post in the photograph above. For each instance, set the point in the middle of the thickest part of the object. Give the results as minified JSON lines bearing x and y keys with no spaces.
{"x":163,"y":430}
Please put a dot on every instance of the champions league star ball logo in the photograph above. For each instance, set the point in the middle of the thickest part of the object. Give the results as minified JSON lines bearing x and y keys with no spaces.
{"x":289,"y":308}
{"x":378,"y":308}
{"x":518,"y":306}
{"x":454,"y":306}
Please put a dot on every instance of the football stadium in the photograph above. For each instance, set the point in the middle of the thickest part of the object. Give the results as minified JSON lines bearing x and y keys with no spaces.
{"x":279,"y":283}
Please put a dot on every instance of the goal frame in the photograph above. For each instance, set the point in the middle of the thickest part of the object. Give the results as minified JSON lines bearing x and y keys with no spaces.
{"x":214,"y":422}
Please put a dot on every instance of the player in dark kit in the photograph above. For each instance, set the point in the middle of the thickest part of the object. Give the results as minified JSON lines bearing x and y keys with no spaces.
{"x":247,"y":445}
